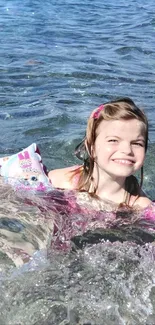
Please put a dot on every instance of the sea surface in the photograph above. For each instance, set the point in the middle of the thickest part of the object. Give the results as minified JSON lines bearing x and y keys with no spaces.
{"x":58,"y":61}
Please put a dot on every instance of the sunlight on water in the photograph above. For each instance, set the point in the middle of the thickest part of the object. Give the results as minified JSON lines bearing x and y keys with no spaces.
{"x":103,"y":284}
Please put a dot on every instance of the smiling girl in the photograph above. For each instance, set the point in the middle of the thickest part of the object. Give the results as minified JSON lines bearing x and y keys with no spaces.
{"x":112,"y":151}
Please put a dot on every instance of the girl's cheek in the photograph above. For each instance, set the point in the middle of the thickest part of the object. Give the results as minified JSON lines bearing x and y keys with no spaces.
{"x":108,"y":149}
{"x":97,"y":148}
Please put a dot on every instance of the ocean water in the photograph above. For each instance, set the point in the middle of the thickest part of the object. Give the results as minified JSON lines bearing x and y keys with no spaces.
{"x":58,"y":61}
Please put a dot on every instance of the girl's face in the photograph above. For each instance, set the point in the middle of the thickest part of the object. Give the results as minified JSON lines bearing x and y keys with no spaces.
{"x":119,"y":149}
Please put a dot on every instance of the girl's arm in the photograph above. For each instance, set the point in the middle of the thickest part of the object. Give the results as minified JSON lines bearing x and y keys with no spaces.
{"x":64,"y":178}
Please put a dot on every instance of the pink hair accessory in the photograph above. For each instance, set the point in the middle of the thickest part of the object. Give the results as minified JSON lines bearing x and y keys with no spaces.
{"x":97,"y":111}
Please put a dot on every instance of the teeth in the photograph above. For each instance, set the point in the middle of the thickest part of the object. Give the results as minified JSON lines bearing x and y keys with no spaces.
{"x":123,"y":161}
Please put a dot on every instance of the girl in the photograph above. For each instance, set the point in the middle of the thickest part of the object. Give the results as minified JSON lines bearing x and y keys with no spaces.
{"x":112,"y":151}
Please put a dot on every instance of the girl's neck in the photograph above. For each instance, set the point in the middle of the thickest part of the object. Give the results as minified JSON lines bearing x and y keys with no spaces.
{"x":110,"y":188}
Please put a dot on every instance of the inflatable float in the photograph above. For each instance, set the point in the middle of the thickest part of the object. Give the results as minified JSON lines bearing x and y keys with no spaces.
{"x":25,"y":170}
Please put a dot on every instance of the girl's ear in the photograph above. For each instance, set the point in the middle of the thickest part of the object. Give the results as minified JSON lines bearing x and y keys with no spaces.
{"x":93,"y":152}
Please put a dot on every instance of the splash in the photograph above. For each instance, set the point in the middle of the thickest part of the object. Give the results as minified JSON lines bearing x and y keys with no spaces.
{"x":107,"y":283}
{"x":105,"y":276}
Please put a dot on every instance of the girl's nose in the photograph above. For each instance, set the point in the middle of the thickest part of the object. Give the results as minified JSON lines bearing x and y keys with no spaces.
{"x":126,"y":148}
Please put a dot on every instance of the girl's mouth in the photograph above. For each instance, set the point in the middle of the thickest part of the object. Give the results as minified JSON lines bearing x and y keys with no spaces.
{"x":124,"y":161}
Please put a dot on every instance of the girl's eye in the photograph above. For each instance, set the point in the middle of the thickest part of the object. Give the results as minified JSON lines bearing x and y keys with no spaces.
{"x":138,"y":144}
{"x":112,"y":140}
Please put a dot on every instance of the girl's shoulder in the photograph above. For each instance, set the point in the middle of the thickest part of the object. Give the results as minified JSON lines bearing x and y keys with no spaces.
{"x":142,"y":201}
{"x":65,"y":178}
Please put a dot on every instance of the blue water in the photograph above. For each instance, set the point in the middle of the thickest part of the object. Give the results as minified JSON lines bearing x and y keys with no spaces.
{"x":61,"y":59}
{"x":58,"y":61}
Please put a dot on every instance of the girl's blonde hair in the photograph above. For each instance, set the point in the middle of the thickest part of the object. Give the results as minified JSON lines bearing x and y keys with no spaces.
{"x":125,"y":109}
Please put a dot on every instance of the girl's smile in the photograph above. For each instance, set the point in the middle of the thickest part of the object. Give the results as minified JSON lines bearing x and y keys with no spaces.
{"x":124,"y":161}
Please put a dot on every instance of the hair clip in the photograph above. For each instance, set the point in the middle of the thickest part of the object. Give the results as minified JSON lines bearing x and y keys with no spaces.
{"x":97,"y":111}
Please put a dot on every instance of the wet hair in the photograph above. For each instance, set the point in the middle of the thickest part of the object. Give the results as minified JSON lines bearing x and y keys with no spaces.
{"x":123,"y":108}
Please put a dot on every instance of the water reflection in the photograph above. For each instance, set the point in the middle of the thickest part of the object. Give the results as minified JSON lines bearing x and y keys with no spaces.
{"x":24,"y":229}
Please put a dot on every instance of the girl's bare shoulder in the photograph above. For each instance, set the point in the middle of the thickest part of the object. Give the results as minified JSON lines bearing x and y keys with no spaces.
{"x":63,"y":177}
{"x":143,"y":201}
